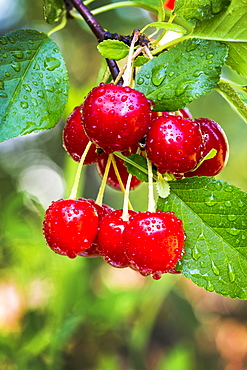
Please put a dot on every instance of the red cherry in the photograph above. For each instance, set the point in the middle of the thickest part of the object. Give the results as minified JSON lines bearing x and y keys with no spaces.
{"x":169,"y":4}
{"x":70,"y":226}
{"x":75,"y":139}
{"x":110,"y":237}
{"x":214,"y":138}
{"x":115,"y":117}
{"x":102,"y":212}
{"x":154,"y":242}
{"x":174,"y":144}
{"x":112,"y":178}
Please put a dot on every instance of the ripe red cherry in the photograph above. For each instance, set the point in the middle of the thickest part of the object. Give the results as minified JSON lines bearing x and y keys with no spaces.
{"x":112,"y":178}
{"x":115,"y":117}
{"x":154,"y":242}
{"x":174,"y":144}
{"x":70,"y":226}
{"x":110,"y":238}
{"x":102,"y":212}
{"x":214,"y":138}
{"x":169,"y":4}
{"x":75,"y":139}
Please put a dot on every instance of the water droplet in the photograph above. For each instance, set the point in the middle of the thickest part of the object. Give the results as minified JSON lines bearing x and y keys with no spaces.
{"x":171,"y":74}
{"x":196,"y":254}
{"x":233,"y":231}
{"x":3,"y":94}
{"x":218,"y":185}
{"x":36,"y":66}
{"x":210,"y":56}
{"x":201,"y":237}
{"x":51,"y":63}
{"x":202,"y":264}
{"x":49,"y":88}
{"x":181,"y":87}
{"x":158,"y":74}
{"x":17,"y":54}
{"x":140,"y":81}
{"x":31,"y":41}
{"x":192,"y":46}
{"x":7,"y":74}
{"x":232,"y":217}
{"x":228,"y":203}
{"x":27,"y":88}
{"x":24,"y":104}
{"x":215,"y":269}
{"x":197,"y":73}
{"x":240,"y":204}
{"x":229,"y":188}
{"x":40,"y":94}
{"x":11,"y":39}
{"x":5,"y":55}
{"x":16,"y":66}
{"x":210,"y":287}
{"x":1,"y":85}
{"x":232,"y":275}
{"x":210,"y":201}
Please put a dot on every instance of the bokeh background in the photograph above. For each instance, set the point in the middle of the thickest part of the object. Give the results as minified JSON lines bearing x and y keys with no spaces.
{"x":82,"y":314}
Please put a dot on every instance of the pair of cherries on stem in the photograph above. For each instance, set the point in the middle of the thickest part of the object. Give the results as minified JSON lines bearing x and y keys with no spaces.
{"x":149,"y":242}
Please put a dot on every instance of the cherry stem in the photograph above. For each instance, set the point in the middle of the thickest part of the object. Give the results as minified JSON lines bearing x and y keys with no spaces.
{"x":74,"y":189}
{"x":129,"y":70}
{"x":99,"y":199}
{"x":125,"y":214}
{"x":151,"y":201}
{"x":119,"y":179}
{"x":99,"y":33}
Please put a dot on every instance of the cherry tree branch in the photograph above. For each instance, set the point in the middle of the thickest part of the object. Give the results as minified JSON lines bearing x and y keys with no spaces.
{"x":98,"y":31}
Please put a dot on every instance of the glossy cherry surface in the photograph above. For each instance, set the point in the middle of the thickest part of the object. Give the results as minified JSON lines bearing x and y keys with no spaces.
{"x":75,"y":139}
{"x":174,"y":144}
{"x":214,"y":137}
{"x":102,"y":212}
{"x":116,"y":117}
{"x":110,"y":238}
{"x":154,"y":242}
{"x":70,"y":226}
{"x":112,"y":179}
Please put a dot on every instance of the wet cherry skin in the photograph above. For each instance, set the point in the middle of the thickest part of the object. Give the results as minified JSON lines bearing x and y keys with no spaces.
{"x":174,"y":144}
{"x":70,"y":226}
{"x":115,"y":117}
{"x":154,"y":242}
{"x":110,"y":239}
{"x":112,"y":178}
{"x":214,"y":137}
{"x":102,"y":211}
{"x":75,"y":139}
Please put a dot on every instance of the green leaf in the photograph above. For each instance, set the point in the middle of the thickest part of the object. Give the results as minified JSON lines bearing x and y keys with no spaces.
{"x":33,"y":83}
{"x":183,"y":73}
{"x":233,"y":97}
{"x":150,"y":3}
{"x":237,"y":57}
{"x":113,"y":49}
{"x":199,"y":10}
{"x":162,"y":186}
{"x":137,"y":166}
{"x":140,"y":61}
{"x":53,"y":10}
{"x":214,"y":215}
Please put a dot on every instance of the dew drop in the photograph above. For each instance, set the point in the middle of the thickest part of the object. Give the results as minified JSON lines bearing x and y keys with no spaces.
{"x":7,"y":74}
{"x":3,"y":41}
{"x":191,"y":46}
{"x":140,"y":81}
{"x":240,"y":204}
{"x":11,"y":39}
{"x":27,"y":88}
{"x":158,"y":74}
{"x":181,"y":87}
{"x":232,"y":217}
{"x":228,"y":203}
{"x":3,"y":94}
{"x":210,"y":287}
{"x":228,"y":188}
{"x":49,"y":88}
{"x":201,"y":237}
{"x":17,"y":54}
{"x":218,"y":185}
{"x":210,"y":201}
{"x":210,"y":56}
{"x":197,"y":73}
{"x":196,"y":254}
{"x":231,"y":272}
{"x":1,"y":85}
{"x":51,"y":63}
{"x":156,"y":275}
{"x":171,"y":74}
{"x":40,"y":94}
{"x":233,"y":231}
{"x":215,"y":269}
{"x":24,"y":104}
{"x":16,"y":66}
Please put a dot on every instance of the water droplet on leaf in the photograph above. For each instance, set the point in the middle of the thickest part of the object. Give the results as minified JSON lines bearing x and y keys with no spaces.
{"x":215,"y":269}
{"x":16,"y":66}
{"x":51,"y":63}
{"x":232,"y":275}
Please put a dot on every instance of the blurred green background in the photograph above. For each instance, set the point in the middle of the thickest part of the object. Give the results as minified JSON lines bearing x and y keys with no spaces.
{"x":63,"y":314}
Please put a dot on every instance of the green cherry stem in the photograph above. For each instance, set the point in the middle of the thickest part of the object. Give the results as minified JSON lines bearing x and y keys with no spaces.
{"x":119,"y":179}
{"x":74,"y":189}
{"x":128,"y":74}
{"x":125,"y":215}
{"x":151,"y":201}
{"x":99,"y":199}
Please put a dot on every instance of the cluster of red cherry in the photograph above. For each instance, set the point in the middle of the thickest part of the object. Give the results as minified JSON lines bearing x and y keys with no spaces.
{"x":120,"y":119}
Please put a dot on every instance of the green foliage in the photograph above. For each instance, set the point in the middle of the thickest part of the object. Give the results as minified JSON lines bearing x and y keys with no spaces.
{"x":53,"y":10}
{"x":183,"y":73}
{"x":165,"y":26}
{"x":33,"y":82}
{"x":199,"y":10}
{"x":113,"y":49}
{"x":234,"y":98}
{"x":214,"y":215}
